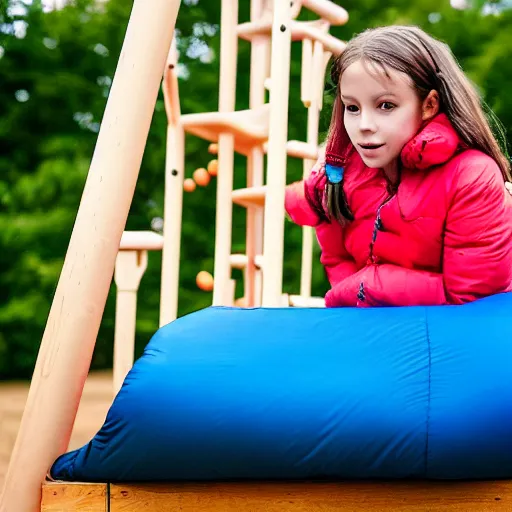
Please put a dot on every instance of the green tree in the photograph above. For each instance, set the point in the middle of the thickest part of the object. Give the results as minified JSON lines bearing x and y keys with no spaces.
{"x":55,"y":74}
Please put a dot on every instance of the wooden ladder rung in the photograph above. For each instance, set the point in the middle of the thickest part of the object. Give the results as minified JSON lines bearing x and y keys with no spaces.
{"x":249,"y":127}
{"x":300,"y":30}
{"x":253,"y":197}
{"x":239,"y":261}
{"x":141,"y":241}
{"x":299,"y":149}
{"x":327,"y":10}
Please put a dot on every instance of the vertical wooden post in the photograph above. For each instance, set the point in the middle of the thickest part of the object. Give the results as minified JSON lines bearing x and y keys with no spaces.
{"x":306,"y":72}
{"x":273,"y":238}
{"x":260,"y":59}
{"x":77,"y":308}
{"x":227,"y":93}
{"x":173,"y":208}
{"x":317,"y":69}
{"x":253,"y":235}
{"x":130,"y":267}
{"x":173,"y":199}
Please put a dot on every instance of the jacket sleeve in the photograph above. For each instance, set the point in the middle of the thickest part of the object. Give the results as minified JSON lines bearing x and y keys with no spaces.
{"x":338,"y":263}
{"x":297,"y":206}
{"x":388,"y":285}
{"x":296,"y":203}
{"x":477,"y":258}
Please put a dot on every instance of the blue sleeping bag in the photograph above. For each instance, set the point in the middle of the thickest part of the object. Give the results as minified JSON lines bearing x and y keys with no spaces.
{"x":227,"y":393}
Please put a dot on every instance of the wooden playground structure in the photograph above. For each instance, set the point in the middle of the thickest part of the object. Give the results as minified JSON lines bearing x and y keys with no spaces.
{"x":100,"y":248}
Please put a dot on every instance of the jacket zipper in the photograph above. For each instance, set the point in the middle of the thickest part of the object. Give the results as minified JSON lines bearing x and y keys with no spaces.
{"x":377,"y":226}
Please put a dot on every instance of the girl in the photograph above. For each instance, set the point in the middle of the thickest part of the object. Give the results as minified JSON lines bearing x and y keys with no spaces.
{"x":408,"y":201}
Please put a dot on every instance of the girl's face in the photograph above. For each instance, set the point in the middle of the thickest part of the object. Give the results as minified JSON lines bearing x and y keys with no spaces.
{"x":381,"y":114}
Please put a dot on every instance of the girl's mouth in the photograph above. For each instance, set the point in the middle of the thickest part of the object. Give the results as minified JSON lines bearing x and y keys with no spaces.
{"x":370,"y":146}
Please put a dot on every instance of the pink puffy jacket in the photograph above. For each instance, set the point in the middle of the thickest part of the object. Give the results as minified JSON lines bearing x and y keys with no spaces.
{"x":444,"y":238}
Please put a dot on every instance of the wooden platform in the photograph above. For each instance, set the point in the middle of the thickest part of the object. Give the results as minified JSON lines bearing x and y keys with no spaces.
{"x":280,"y":497}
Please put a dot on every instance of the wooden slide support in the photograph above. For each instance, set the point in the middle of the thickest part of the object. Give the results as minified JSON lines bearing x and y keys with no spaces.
{"x":399,"y":496}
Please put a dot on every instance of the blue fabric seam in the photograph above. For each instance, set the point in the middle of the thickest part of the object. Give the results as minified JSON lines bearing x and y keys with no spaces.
{"x":427,"y":433}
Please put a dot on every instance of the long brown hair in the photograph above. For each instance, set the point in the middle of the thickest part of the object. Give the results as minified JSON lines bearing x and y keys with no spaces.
{"x":431,"y":65}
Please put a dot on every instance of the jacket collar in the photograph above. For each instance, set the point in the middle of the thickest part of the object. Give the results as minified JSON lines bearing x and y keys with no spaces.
{"x":434,"y":144}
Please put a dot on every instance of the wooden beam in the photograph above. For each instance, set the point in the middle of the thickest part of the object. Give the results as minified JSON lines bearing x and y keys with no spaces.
{"x":280,"y":497}
{"x":74,"y":497}
{"x":78,"y":304}
{"x":326,"y":497}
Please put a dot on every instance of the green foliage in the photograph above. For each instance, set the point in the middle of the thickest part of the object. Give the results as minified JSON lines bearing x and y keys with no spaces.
{"x":54,"y":85}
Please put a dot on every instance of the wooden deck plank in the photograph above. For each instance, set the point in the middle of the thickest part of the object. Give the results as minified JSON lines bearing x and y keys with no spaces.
{"x":74,"y":497}
{"x":314,"y":497}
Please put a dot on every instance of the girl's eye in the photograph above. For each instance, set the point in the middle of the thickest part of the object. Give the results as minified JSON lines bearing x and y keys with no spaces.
{"x":387,"y":105}
{"x":351,"y":108}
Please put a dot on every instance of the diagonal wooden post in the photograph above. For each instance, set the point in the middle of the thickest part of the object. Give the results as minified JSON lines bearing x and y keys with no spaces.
{"x":75,"y":316}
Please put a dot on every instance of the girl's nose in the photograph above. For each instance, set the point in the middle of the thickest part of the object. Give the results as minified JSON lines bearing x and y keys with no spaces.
{"x":366,"y":122}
